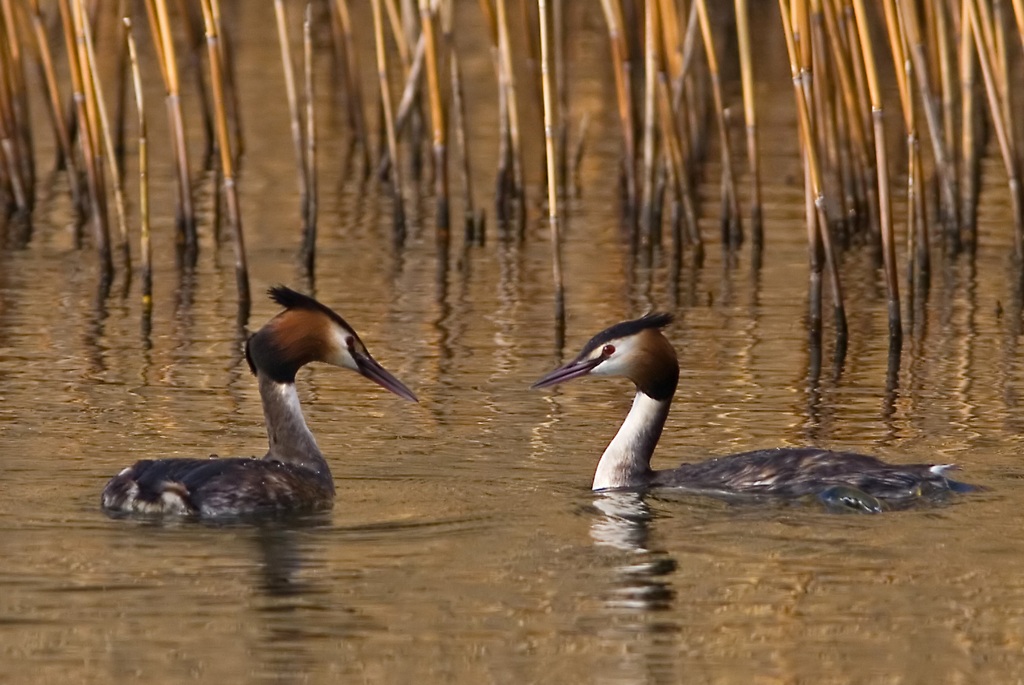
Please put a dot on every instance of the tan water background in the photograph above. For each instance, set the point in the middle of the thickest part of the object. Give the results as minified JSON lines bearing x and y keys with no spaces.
{"x":465,"y":545}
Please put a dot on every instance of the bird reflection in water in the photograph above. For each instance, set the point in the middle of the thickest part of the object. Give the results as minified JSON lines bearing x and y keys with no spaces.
{"x":281,"y":562}
{"x":289,"y":601}
{"x":643,"y":582}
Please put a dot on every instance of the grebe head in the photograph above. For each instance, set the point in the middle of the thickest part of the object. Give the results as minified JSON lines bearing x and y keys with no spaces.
{"x":634,"y":349}
{"x":307,"y":331}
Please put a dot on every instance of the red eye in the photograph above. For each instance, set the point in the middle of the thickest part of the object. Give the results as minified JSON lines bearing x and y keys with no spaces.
{"x":608,"y":351}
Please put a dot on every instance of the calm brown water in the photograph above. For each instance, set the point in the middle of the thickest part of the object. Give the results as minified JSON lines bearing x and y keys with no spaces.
{"x":465,"y":545}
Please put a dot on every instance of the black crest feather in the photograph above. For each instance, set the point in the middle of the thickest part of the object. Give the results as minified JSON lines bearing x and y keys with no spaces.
{"x":626,"y":329}
{"x":291,"y":299}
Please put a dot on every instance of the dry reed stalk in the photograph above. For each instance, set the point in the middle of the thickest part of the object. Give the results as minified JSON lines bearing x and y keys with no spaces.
{"x":850,"y":168}
{"x":944,"y":166}
{"x":917,"y":232}
{"x":671,"y":42}
{"x":918,"y":240}
{"x":108,"y":141}
{"x":395,"y":19}
{"x":194,"y":43}
{"x":943,"y":52}
{"x":652,"y":59}
{"x":504,"y":193}
{"x":122,"y":78}
{"x":864,"y":115}
{"x":389,"y":124}
{"x":882,"y":170}
{"x":437,"y":119}
{"x":227,"y":62}
{"x":998,"y":21}
{"x":903,"y":69}
{"x":293,"y":110}
{"x":899,"y":40}
{"x":676,"y":166}
{"x":689,"y":104}
{"x":410,"y":93}
{"x":672,"y":169}
{"x":818,"y":83}
{"x":79,"y":19}
{"x":417,"y":130}
{"x":473,"y":225}
{"x":858,"y":139}
{"x":145,"y":247}
{"x":514,"y":190}
{"x":578,"y":150}
{"x":413,"y":61}
{"x":19,"y":102}
{"x":623,"y":88}
{"x":409,"y":103}
{"x":405,"y":28}
{"x":558,"y":29}
{"x":56,"y":108}
{"x":813,"y":172}
{"x":814,"y":254}
{"x":1018,"y":15}
{"x":990,"y":31}
{"x":843,"y":55}
{"x":750,"y":118}
{"x":533,"y":56}
{"x":154,"y":24}
{"x":531,"y":52}
{"x":801,"y":28}
{"x":688,"y":53}
{"x":552,"y":166}
{"x":160,"y":27}
{"x":970,"y":168}
{"x":227,"y":160}
{"x":410,"y":20}
{"x":12,"y":170}
{"x":309,"y":235}
{"x":825,"y":120}
{"x":1007,"y":145}
{"x":732,"y":226}
{"x":491,"y":20}
{"x":351,"y":71}
{"x":797,"y":33}
{"x":677,"y":56}
{"x":93,"y":170}
{"x":504,"y":184}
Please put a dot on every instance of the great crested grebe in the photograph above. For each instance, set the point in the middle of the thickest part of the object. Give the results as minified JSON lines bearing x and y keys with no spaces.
{"x":639,"y":351}
{"x":293,"y":476}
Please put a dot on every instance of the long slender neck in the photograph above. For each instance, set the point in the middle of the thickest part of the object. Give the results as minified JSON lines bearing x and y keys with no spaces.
{"x":626,"y":461}
{"x":291,"y":442}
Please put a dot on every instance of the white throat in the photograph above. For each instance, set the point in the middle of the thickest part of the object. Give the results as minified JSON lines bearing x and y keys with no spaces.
{"x":290,"y":439}
{"x":626,"y":461}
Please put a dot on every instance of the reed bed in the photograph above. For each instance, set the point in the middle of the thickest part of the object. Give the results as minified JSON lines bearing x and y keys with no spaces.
{"x":677,"y":88}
